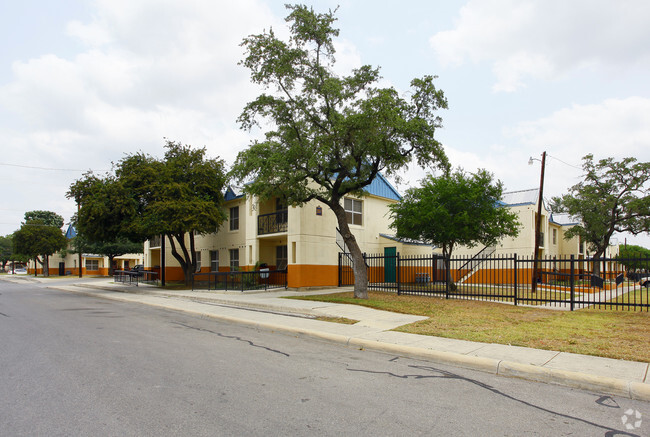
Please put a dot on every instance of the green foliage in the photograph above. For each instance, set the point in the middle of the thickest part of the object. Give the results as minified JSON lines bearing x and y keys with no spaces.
{"x":455,"y":209}
{"x":613,"y":197}
{"x":36,"y":238}
{"x":105,"y":206}
{"x":331,"y":135}
{"x":6,"y":250}
{"x":629,"y":256}
{"x":48,"y":218}
{"x":177,"y":196}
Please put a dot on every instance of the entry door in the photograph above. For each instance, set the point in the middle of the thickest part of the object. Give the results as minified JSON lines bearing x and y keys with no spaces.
{"x":61,"y":269}
{"x":390,"y":257}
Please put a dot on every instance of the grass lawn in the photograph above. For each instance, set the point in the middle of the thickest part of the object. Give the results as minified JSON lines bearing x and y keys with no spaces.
{"x":613,"y":334}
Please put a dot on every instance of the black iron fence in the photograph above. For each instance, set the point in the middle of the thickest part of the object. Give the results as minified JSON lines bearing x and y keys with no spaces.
{"x":240,"y":281}
{"x":136,"y":277}
{"x":567,"y":282}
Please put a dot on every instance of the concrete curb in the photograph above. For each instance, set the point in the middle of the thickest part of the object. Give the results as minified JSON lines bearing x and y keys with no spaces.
{"x":584,"y":381}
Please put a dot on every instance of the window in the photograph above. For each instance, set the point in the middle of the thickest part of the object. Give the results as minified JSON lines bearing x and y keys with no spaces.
{"x":353,"y":211}
{"x":234,"y":218}
{"x":554,"y":236}
{"x":281,"y":258}
{"x":234,"y":259}
{"x":198,"y":261}
{"x":214,"y":260}
{"x":92,"y":264}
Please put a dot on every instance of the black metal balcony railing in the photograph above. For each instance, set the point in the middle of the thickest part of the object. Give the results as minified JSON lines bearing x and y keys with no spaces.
{"x":155,"y":241}
{"x":272,"y":223}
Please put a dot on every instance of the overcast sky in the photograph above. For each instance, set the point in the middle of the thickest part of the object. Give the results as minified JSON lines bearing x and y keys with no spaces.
{"x":84,"y":82}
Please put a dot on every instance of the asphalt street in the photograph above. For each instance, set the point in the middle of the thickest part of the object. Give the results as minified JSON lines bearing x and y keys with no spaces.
{"x":79,"y":365}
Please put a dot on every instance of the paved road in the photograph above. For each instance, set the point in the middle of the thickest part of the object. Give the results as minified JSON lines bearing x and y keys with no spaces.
{"x":77,"y":365}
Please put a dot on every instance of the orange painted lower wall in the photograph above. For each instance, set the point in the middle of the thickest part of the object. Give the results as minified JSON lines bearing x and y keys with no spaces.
{"x":174,"y":274}
{"x":306,"y":275}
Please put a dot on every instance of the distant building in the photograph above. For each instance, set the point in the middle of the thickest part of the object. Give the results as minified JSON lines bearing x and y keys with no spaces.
{"x":67,"y":263}
{"x":553,"y":227}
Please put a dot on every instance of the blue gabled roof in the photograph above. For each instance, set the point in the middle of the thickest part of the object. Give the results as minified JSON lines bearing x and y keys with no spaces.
{"x":379,"y":187}
{"x":233,"y":193}
{"x":71,"y":232}
{"x":382,"y":188}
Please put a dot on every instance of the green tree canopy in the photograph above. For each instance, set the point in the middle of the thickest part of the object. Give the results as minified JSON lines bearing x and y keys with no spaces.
{"x":455,"y":209}
{"x":634,"y":257}
{"x":329,"y":135}
{"x":613,"y":197}
{"x":48,"y":218}
{"x":6,"y":250}
{"x":35,"y":238}
{"x":104,"y":208}
{"x":178,"y":196}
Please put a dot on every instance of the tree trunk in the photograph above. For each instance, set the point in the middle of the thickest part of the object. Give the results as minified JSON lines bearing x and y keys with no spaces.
{"x":596,"y":260}
{"x":110,"y":265}
{"x":37,"y":261}
{"x":185,"y":260}
{"x":360,"y":270}
{"x":446,"y":253}
{"x":46,"y":266}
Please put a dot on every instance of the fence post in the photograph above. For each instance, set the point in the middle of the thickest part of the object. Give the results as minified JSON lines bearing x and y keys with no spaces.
{"x":447,"y":262}
{"x":339,"y":269}
{"x":399,"y":279}
{"x":572,"y":282}
{"x":514,"y":258}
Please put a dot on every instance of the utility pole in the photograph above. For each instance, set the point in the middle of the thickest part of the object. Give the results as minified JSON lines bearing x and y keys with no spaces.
{"x":538,"y":221}
{"x":79,"y":245}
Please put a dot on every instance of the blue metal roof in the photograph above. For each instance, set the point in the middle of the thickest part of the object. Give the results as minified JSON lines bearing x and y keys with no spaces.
{"x":379,"y":187}
{"x":71,"y":232}
{"x":382,"y":188}
{"x":233,"y":193}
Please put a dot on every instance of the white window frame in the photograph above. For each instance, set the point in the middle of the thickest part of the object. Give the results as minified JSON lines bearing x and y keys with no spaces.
{"x":234,"y":261}
{"x":214,"y":261}
{"x":234,"y":220}
{"x":353,"y":211}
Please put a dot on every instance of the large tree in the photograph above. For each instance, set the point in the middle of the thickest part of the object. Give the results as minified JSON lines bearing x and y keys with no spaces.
{"x":634,"y":257}
{"x":455,"y":209}
{"x":40,"y":236}
{"x":102,"y":222}
{"x":48,"y":218}
{"x":178,"y":196}
{"x":328,"y":135}
{"x":613,"y":197}
{"x":105,"y":206}
{"x":6,"y":251}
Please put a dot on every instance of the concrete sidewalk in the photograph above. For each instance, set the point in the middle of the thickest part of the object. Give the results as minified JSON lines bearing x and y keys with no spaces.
{"x":267,"y":310}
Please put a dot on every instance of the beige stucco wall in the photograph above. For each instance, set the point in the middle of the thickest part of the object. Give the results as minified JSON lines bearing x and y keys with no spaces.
{"x":310,"y":237}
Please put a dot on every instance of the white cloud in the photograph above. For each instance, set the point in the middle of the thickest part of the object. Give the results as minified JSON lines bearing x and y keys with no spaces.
{"x":148,"y":69}
{"x":546,"y":39}
{"x":615,"y":127}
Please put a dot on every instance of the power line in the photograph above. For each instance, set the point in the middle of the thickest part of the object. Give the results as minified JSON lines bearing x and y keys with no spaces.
{"x":563,"y":162}
{"x":50,"y":168}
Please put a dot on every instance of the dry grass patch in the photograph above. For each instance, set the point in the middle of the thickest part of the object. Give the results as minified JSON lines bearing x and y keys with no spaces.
{"x":342,"y":320}
{"x":611,"y":333}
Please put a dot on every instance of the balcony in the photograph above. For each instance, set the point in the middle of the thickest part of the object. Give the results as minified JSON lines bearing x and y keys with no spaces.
{"x":155,"y":241}
{"x":272,"y":223}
